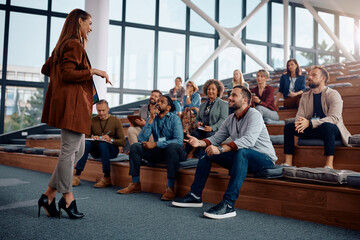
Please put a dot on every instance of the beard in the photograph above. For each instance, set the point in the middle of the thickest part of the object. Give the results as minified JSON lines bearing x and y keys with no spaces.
{"x":235,"y":107}
{"x":152,"y":101}
{"x":314,"y":85}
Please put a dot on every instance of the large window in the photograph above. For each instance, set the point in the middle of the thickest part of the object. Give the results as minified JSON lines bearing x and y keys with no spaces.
{"x":115,"y":10}
{"x":23,"y":107}
{"x":56,"y":27}
{"x":128,"y":98}
{"x":38,"y":4}
{"x":172,"y":14}
{"x":304,"y":25}
{"x":2,"y":22}
{"x":260,"y":52}
{"x":200,"y":50}
{"x":26,"y":51}
{"x":305,"y":58}
{"x":230,"y":13}
{"x":347,"y":30}
{"x":277,"y":58}
{"x":114,"y":55}
{"x":229,"y":60}
{"x":325,"y":42}
{"x":257,"y":27}
{"x":141,"y":11}
{"x":67,"y":6}
{"x":139,"y":59}
{"x":197,"y":23}
{"x":171,"y":63}
{"x":277,"y":23}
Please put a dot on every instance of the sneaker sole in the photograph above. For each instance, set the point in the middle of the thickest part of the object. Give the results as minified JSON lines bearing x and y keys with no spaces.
{"x":215,"y":216}
{"x":128,"y":192}
{"x":178,"y":204}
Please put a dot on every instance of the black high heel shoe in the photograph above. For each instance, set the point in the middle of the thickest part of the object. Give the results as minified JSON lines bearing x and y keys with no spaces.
{"x":71,"y":210}
{"x":50,"y":210}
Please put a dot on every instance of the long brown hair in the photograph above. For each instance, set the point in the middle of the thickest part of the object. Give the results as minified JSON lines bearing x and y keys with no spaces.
{"x":298,"y":70}
{"x":70,"y":30}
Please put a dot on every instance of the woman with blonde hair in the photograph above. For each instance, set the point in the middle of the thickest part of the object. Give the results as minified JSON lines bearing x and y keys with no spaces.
{"x":68,"y":106}
{"x":238,"y":79}
{"x":192,"y":99}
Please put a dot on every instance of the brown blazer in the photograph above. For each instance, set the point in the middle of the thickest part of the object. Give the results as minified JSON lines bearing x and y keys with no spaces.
{"x":332,"y":105}
{"x":68,"y":102}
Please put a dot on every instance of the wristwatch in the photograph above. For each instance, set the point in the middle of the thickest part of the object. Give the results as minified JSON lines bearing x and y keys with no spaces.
{"x":112,"y":140}
{"x":220,"y":149}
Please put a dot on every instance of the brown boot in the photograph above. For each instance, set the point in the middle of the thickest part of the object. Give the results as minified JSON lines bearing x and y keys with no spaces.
{"x":104,"y":182}
{"x":169,"y":194}
{"x":76,"y":180}
{"x":132,"y":188}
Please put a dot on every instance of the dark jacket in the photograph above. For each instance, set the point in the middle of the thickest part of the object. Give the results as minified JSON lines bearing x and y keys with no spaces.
{"x":285,"y":84}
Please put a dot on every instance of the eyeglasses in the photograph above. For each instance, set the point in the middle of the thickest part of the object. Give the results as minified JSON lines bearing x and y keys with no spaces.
{"x":189,"y":85}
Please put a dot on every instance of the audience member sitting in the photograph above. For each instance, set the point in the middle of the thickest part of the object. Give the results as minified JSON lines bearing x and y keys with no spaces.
{"x":212,"y":113}
{"x":251,"y":151}
{"x":133,"y":131}
{"x":292,"y":85}
{"x":192,"y":99}
{"x":168,"y":146}
{"x":319,"y":116}
{"x":238,"y":79}
{"x":263,"y":97}
{"x":177,"y":94}
{"x":107,"y":136}
{"x":188,"y":118}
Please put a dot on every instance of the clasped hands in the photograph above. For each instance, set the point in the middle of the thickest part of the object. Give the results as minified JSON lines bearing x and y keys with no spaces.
{"x":301,"y":124}
{"x":194,"y":142}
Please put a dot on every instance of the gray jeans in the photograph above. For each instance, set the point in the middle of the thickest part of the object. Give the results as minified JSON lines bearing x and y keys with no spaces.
{"x":267,"y":112}
{"x":72,"y":149}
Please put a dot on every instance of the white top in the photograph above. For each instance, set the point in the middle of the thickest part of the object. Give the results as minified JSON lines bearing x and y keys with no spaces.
{"x":292,"y":84}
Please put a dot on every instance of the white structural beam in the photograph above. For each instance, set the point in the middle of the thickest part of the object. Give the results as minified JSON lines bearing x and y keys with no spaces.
{"x":286,"y":31}
{"x":225,"y":41}
{"x":337,"y":42}
{"x":229,"y":37}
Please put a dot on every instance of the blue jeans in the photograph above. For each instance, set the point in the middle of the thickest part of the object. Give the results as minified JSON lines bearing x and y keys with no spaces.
{"x":177,"y":105}
{"x":102,"y":150}
{"x":238,"y":162}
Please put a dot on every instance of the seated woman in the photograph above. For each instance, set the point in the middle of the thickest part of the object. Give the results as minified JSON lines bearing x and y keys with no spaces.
{"x":212,"y":113}
{"x":191,"y":99}
{"x":292,"y":85}
{"x":238,"y":79}
{"x":263,"y":97}
{"x":177,"y":94}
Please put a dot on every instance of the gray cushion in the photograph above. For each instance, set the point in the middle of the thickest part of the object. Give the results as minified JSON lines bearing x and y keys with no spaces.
{"x":38,"y":151}
{"x":44,"y":137}
{"x":337,"y":85}
{"x":354,"y":180}
{"x":354,"y":140}
{"x":318,"y":175}
{"x":277,"y":122}
{"x":289,"y":120}
{"x":274,"y":172}
{"x":119,"y":158}
{"x":316,"y":142}
{"x":277,"y":139}
{"x":10,"y":148}
{"x":52,"y":152}
{"x":188,"y":163}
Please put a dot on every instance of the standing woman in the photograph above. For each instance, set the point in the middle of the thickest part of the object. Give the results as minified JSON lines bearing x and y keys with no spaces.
{"x":262,"y":97}
{"x":68,"y":106}
{"x":292,"y":85}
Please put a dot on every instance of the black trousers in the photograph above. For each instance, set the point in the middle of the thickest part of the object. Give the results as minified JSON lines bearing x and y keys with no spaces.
{"x":328,"y":132}
{"x":171,"y":155}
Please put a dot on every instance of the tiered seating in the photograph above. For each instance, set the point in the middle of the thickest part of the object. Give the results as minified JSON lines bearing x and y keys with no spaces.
{"x":333,"y":205}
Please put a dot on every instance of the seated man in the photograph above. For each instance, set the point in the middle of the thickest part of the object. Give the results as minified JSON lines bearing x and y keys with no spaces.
{"x":107,"y":136}
{"x":251,"y":151}
{"x":133,"y":131}
{"x":319,"y":116}
{"x":168,"y":146}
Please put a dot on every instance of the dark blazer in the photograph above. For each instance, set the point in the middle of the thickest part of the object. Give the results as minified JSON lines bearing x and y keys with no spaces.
{"x":69,"y":101}
{"x":218,"y":113}
{"x":285,"y":84}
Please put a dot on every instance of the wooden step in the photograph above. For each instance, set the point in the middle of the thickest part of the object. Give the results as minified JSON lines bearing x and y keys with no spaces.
{"x":346,"y":158}
{"x":353,"y":128}
{"x":332,"y":205}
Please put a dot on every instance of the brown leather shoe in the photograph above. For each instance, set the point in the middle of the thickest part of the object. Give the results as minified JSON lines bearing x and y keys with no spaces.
{"x":76,"y":180}
{"x":132,"y":188}
{"x":104,"y":182}
{"x":169,"y":194}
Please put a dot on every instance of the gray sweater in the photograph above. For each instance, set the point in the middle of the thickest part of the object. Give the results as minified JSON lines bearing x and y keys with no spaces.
{"x":249,"y":132}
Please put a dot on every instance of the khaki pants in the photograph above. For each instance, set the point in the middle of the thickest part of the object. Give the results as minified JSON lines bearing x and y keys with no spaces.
{"x":72,"y":149}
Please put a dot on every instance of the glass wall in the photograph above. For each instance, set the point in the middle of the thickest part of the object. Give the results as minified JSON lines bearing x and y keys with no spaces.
{"x":151,"y":42}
